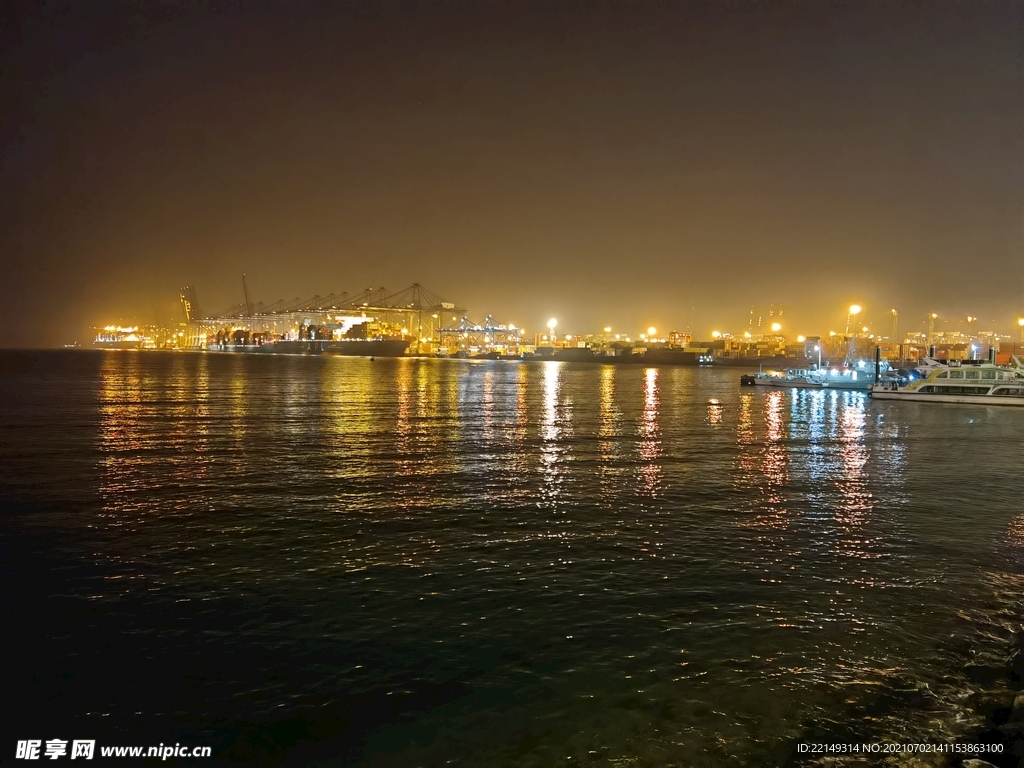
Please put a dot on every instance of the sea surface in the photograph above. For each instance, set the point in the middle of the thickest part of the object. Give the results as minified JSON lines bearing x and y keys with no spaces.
{"x":341,"y":561}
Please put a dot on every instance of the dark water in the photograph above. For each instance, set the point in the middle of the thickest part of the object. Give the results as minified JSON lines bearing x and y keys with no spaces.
{"x":402,"y":562}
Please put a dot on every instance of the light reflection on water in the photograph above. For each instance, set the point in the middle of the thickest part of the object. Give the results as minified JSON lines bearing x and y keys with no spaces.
{"x":650,"y":436}
{"x":554,"y":448}
{"x":724,"y":568}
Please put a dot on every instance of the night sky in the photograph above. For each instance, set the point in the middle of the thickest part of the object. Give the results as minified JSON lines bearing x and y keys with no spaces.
{"x":629,"y":164}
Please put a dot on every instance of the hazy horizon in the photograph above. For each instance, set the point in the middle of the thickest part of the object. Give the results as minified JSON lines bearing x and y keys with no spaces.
{"x":624,"y":165}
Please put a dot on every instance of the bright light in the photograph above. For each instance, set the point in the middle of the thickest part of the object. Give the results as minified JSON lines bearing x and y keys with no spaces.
{"x":801,"y":339}
{"x":776,"y":327}
{"x":746,"y":334}
{"x":715,"y":334}
{"x":651,"y":331}
{"x":1020,"y":322}
{"x":552,"y":323}
{"x":607,"y":329}
{"x":855,"y":309}
{"x":864,"y":329}
{"x":831,"y":333}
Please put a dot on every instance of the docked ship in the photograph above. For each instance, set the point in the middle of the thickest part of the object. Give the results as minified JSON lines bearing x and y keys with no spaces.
{"x":352,"y":336}
{"x":368,"y":347}
{"x":860,"y":377}
{"x":791,"y":378}
{"x":372,"y":323}
{"x":118,"y":337}
{"x":978,"y":384}
{"x":349,"y":347}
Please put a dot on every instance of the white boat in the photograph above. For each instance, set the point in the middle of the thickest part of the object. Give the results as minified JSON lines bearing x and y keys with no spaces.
{"x":792,"y":378}
{"x":981,"y":384}
{"x":859,"y":376}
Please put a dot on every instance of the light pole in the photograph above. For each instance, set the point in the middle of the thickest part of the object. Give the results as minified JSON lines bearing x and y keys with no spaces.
{"x":854,"y":311}
{"x":551,"y":331}
{"x":850,"y":346}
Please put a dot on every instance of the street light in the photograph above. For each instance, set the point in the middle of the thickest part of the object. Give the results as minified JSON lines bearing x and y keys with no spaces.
{"x":651,"y":331}
{"x":776,"y":327}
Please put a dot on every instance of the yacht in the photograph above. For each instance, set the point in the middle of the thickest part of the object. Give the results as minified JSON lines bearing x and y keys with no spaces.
{"x":982,"y":384}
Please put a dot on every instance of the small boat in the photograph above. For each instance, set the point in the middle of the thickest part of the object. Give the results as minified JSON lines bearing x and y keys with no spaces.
{"x":978,"y":384}
{"x":858,"y":376}
{"x":791,"y":378}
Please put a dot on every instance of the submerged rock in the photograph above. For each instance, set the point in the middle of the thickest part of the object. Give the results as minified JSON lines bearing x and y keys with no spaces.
{"x":1017,"y":666}
{"x":1018,"y":706}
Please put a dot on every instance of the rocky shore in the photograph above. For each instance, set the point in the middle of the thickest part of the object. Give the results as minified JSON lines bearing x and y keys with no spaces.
{"x":1000,"y":702}
{"x":984,"y":708}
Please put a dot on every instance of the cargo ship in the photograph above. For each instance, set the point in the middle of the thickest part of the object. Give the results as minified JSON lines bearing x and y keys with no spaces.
{"x":368,"y":347}
{"x":352,"y":336}
{"x":348,"y":347}
{"x":118,"y":337}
